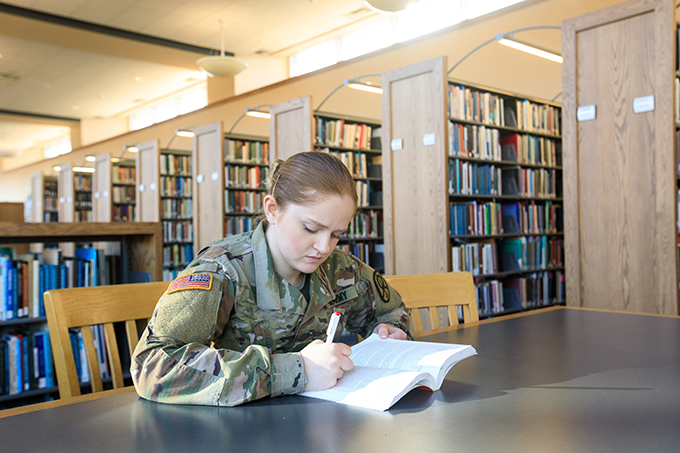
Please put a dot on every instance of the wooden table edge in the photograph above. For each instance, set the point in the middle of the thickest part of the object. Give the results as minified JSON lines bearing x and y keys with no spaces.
{"x":56,"y":403}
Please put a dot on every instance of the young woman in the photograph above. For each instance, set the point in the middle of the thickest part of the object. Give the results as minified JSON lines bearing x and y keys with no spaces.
{"x":246,"y":318}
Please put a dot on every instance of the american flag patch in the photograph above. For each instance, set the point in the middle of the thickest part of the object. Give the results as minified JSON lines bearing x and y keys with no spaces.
{"x":193,"y":281}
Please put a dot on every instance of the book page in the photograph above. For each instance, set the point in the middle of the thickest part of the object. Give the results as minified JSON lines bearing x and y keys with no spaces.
{"x":404,"y":355}
{"x":373,"y":388}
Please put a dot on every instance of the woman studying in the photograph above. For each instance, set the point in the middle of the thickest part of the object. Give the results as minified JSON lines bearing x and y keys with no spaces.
{"x":247,"y":317}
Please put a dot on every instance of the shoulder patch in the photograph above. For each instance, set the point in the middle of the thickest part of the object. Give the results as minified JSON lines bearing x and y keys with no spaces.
{"x":191,"y":281}
{"x":381,"y":286}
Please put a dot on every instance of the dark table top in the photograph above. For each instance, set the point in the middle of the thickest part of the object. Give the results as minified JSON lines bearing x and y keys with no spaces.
{"x":564,"y":380}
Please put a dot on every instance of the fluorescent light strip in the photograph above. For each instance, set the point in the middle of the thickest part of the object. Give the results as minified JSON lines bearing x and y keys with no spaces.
{"x":530,"y":49}
{"x":258,"y":114}
{"x":83,"y":169}
{"x":365,"y":87}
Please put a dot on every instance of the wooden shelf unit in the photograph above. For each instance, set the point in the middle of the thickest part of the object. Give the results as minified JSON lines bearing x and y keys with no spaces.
{"x":44,"y":196}
{"x":449,"y":199}
{"x":363,"y":158}
{"x":141,"y":246}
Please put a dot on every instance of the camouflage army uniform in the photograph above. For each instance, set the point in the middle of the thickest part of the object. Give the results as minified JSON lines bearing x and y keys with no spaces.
{"x":229,"y":329}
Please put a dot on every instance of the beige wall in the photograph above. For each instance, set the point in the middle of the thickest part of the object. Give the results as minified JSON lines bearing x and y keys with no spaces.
{"x":494,"y":66}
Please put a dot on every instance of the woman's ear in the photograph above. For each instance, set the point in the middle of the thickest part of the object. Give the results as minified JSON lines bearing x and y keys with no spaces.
{"x":271,"y":209}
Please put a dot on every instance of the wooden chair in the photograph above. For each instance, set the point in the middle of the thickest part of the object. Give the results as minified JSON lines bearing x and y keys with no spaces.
{"x":430,"y":291}
{"x":84,"y":307}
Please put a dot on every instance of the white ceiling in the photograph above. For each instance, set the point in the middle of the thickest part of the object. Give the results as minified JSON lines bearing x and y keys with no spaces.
{"x":60,"y":71}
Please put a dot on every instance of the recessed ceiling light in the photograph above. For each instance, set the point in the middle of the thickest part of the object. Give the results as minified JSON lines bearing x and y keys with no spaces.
{"x":138,"y":79}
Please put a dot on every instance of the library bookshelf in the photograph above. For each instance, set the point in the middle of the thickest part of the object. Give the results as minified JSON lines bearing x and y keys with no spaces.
{"x":113,"y":189}
{"x":44,"y":198}
{"x":473,"y":175}
{"x":165,"y":194}
{"x":356,"y":142}
{"x":230,"y":170}
{"x":140,"y":247}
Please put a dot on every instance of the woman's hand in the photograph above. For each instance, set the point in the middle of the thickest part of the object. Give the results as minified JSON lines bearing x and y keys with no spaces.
{"x":388,"y":331}
{"x":325,"y":363}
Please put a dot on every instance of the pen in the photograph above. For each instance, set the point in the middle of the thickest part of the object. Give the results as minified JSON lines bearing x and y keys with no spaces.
{"x":332,"y":326}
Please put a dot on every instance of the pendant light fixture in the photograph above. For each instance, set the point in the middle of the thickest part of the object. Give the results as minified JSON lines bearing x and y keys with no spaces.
{"x":222,"y":65}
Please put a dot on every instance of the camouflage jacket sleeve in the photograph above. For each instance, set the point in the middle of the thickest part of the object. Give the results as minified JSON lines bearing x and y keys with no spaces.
{"x":175,"y":363}
{"x":379,"y":303}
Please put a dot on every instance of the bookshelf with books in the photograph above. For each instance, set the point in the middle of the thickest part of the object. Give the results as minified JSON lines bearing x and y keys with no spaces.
{"x":356,"y":141}
{"x":228,"y":201}
{"x":113,"y":189}
{"x":44,"y":196}
{"x":176,"y":211}
{"x":484,"y":191}
{"x":24,"y":341}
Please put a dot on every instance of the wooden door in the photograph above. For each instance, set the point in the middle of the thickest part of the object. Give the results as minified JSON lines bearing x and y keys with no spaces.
{"x":415,"y":169}
{"x":208,"y":184}
{"x":290,"y":128}
{"x":102,"y":198}
{"x":619,"y":167}
{"x":147,"y":176}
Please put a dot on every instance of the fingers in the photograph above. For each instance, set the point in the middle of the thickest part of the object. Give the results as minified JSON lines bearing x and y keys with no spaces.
{"x":387,"y":331}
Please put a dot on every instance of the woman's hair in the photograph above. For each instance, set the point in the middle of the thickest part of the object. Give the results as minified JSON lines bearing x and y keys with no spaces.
{"x":305,"y":177}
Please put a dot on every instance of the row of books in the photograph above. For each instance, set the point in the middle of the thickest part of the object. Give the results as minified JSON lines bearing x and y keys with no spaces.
{"x":540,"y":183}
{"x":473,"y":105}
{"x":365,"y":224}
{"x":178,"y":231}
{"x":124,"y":175}
{"x":123,"y":194}
{"x":26,"y":362}
{"x":123,"y":213}
{"x":477,"y":142}
{"x":531,"y":217}
{"x":520,"y":293}
{"x":341,"y":134}
{"x":83,"y":215}
{"x":488,"y":257}
{"x":367,"y":252}
{"x":476,"y":218}
{"x":50,"y":216}
{"x":174,"y":186}
{"x":25,"y":277}
{"x":175,"y":165}
{"x":238,"y":225}
{"x":532,"y":150}
{"x":357,"y":163}
{"x":177,"y":256}
{"x":242,"y":202}
{"x":248,"y":152}
{"x":82,"y":182}
{"x":539,"y":118}
{"x":176,"y":208}
{"x":83,"y":200}
{"x":469,"y":178}
{"x":242,"y":177}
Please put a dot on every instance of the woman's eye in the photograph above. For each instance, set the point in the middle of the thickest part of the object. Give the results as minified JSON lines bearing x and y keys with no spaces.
{"x":308,"y":230}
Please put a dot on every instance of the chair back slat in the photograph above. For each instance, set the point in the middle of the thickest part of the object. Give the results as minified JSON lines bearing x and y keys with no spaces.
{"x":84,"y":307}
{"x":430,"y":291}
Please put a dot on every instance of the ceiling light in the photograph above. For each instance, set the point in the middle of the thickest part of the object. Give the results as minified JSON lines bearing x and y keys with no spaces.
{"x":363,"y":86}
{"x":90,"y":158}
{"x":115,"y":159}
{"x":389,"y":6}
{"x":83,"y":169}
{"x":132,"y":149}
{"x":221,"y":66}
{"x":510,"y":41}
{"x":56,"y":168}
{"x":184,"y":133}
{"x":258,"y":113}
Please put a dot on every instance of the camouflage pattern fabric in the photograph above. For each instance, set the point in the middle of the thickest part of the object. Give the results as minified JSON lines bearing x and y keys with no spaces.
{"x":229,"y":329}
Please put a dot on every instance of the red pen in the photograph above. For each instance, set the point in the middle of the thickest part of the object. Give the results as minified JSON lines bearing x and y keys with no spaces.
{"x":332,"y":326}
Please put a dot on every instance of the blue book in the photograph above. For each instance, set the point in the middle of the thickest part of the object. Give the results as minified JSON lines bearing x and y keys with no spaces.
{"x":39,"y":345}
{"x":10,"y":307}
{"x":49,"y":361}
{"x":63,"y":274}
{"x":89,"y":255}
{"x":26,"y":358}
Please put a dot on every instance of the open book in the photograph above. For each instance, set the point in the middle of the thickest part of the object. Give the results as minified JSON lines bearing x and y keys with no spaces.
{"x":385,"y":370}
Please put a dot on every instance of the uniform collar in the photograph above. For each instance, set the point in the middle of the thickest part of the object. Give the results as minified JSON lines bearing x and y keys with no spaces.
{"x":274,"y":293}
